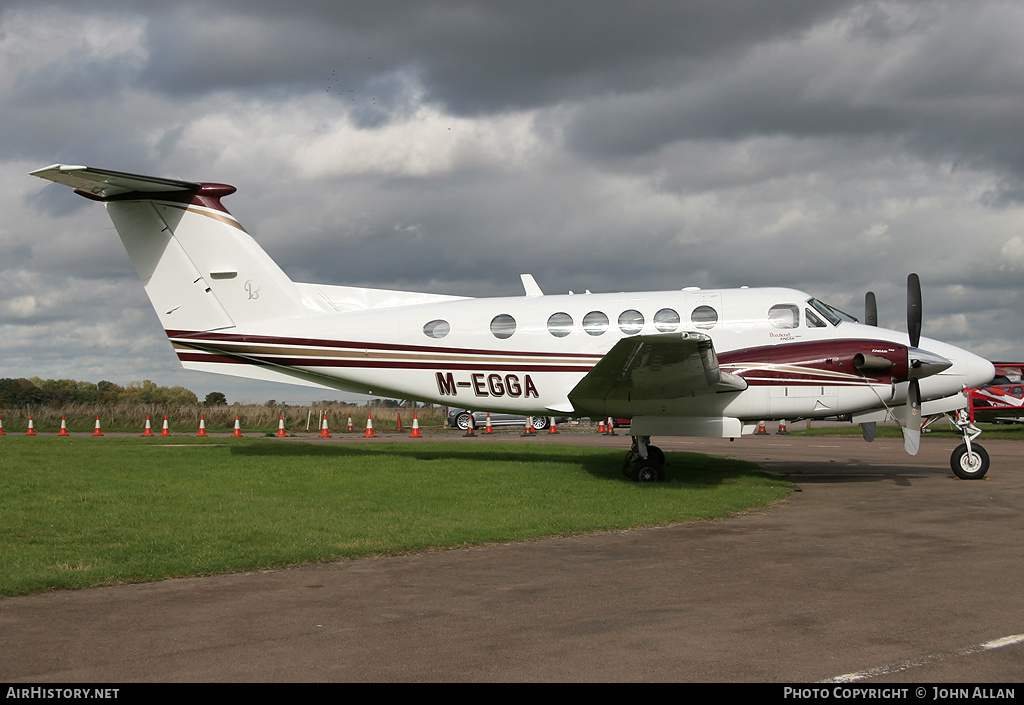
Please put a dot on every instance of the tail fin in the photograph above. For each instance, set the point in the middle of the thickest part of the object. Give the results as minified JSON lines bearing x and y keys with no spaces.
{"x":201,"y":269}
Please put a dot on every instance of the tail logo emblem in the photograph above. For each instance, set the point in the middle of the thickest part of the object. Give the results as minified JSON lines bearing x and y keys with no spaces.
{"x":253,"y":289}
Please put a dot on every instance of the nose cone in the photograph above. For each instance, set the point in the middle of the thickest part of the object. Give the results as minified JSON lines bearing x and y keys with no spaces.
{"x":979,"y":371}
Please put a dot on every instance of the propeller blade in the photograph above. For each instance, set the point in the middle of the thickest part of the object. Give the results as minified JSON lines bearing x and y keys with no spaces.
{"x":912,"y":425}
{"x":870,"y":309}
{"x":868,"y":430}
{"x":914,"y":309}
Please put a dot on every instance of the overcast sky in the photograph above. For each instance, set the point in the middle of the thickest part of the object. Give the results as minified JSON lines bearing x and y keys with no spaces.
{"x":829,"y":145}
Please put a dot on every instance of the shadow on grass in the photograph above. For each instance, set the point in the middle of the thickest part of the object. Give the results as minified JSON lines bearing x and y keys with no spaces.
{"x":682,"y":470}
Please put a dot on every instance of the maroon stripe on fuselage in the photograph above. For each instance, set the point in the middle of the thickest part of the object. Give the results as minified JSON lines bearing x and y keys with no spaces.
{"x":376,"y":364}
{"x":185,"y":336}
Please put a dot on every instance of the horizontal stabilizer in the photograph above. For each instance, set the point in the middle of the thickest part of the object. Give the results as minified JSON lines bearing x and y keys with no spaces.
{"x":105,"y":184}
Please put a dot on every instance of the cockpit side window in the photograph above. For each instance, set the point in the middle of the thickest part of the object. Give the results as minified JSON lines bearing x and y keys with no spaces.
{"x":813,"y":321}
{"x":784,"y":315}
{"x":826,"y":311}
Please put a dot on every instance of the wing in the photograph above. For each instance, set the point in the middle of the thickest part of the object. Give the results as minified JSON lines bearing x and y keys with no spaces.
{"x":652,"y":367}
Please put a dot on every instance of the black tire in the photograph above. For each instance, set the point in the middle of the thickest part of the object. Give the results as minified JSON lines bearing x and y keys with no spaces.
{"x":646,"y":471}
{"x":656,"y":456}
{"x":969,"y":466}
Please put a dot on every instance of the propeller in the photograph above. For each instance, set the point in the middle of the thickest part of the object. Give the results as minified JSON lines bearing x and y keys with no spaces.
{"x":912,"y":422}
{"x":870,"y":309}
{"x":914,"y":309}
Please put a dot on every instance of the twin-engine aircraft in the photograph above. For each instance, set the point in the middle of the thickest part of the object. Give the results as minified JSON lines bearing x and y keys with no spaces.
{"x":691,"y":362}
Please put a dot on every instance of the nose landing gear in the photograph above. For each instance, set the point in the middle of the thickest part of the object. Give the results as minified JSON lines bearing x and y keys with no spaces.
{"x":970,"y":460}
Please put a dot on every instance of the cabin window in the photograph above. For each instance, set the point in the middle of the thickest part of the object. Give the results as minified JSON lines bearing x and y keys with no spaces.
{"x":437,"y":329}
{"x":631,"y":321}
{"x":503,"y":326}
{"x":704,"y":317}
{"x":784,"y":316}
{"x":560,"y":324}
{"x":595,"y":323}
{"x":666,"y":320}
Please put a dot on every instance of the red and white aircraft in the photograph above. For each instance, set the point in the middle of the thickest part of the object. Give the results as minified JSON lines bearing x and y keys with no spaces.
{"x":690,"y":362}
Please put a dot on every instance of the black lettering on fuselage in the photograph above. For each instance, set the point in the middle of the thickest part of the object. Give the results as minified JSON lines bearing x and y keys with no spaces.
{"x":490,"y":385}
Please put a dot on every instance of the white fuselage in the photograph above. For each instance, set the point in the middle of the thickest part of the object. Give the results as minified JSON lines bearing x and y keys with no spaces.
{"x":541,"y":346}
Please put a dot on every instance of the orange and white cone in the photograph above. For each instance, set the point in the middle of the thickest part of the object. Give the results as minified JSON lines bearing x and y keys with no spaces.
{"x":529,"y":430}
{"x":324,"y":432}
{"x":63,"y":428}
{"x":369,"y":428}
{"x":281,"y":433}
{"x":488,"y":428}
{"x":165,"y":431}
{"x":237,"y":433}
{"x":761,"y":429}
{"x":782,"y":428}
{"x":552,"y":428}
{"x":600,"y":427}
{"x":148,"y":432}
{"x":97,"y":431}
{"x":415,"y":426}
{"x":610,"y":427}
{"x":470,"y":427}
{"x":202,"y":427}
{"x":2,"y":427}
{"x":398,"y":424}
{"x":31,"y":429}
{"x":350,"y":427}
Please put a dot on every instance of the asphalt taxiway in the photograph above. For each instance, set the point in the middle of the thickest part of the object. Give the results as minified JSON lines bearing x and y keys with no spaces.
{"x":881,"y":568}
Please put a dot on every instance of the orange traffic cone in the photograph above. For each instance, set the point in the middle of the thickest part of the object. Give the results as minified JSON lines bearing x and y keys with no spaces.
{"x":350,"y":427}
{"x":97,"y":431}
{"x":148,"y":432}
{"x":324,"y":432}
{"x":2,"y":427}
{"x":552,"y":428}
{"x":470,"y":427}
{"x":488,"y":428}
{"x":202,"y":427}
{"x":761,"y":430}
{"x":415,"y":426}
{"x":398,"y":424}
{"x":165,"y":431}
{"x":237,"y":433}
{"x":63,"y":428}
{"x":529,"y":430}
{"x":31,"y":429}
{"x":600,"y":427}
{"x":782,"y":428}
{"x":280,"y":428}
{"x":369,"y":428}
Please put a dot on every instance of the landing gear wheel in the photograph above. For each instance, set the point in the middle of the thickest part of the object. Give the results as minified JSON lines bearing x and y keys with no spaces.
{"x":646,"y":471}
{"x":969,"y":465}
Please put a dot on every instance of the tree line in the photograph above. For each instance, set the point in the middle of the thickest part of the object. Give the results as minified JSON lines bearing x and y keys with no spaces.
{"x":60,"y":392}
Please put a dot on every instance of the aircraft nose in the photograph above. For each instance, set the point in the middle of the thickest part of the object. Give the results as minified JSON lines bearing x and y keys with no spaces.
{"x":979,"y":371}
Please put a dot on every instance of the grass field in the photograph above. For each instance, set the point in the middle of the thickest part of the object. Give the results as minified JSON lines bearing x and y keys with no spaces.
{"x":80,"y":512}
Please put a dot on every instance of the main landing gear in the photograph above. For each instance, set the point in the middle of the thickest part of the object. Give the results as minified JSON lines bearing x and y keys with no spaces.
{"x":644,"y":462}
{"x":969,"y":461}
